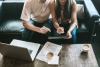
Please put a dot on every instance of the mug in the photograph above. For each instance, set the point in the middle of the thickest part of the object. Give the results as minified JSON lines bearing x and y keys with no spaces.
{"x":85,"y":48}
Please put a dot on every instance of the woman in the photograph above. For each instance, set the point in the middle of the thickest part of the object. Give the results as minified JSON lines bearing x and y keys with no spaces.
{"x":64,"y":18}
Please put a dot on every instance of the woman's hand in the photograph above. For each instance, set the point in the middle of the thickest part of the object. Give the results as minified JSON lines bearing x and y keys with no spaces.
{"x":69,"y":35}
{"x":44,"y":30}
{"x":60,"y":30}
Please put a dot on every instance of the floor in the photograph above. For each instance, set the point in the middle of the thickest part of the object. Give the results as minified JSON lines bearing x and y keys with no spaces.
{"x":96,"y":48}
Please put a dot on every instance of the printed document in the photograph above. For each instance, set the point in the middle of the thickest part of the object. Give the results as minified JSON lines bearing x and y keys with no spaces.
{"x":48,"y":47}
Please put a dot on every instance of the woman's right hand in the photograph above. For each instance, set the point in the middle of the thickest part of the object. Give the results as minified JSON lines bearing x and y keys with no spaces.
{"x":60,"y":30}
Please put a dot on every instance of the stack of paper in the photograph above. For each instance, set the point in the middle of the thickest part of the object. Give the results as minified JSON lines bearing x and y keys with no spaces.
{"x":49,"y":47}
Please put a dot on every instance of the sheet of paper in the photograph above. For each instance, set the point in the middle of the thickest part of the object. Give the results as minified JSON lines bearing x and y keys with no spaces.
{"x":54,"y":60}
{"x":48,"y":47}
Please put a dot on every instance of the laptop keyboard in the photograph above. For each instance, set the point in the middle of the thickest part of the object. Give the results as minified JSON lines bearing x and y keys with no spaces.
{"x":30,"y":51}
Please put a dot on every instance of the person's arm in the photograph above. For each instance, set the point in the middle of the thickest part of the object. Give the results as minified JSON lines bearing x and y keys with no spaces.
{"x":30,"y":26}
{"x":25,"y":16}
{"x":59,"y":29}
{"x":73,"y":16}
{"x":52,"y":5}
{"x":73,"y":20}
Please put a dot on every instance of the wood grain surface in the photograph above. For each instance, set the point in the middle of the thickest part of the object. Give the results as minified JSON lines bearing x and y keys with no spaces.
{"x":70,"y":56}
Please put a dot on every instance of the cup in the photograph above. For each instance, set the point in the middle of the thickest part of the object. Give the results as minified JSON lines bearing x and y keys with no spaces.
{"x":49,"y":55}
{"x":85,"y":48}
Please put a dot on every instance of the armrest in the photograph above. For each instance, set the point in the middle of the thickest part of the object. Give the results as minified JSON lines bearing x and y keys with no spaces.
{"x":0,"y":9}
{"x":91,"y":11}
{"x":91,"y":14}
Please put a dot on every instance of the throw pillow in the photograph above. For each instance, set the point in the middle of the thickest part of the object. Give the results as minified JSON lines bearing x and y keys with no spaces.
{"x":80,"y":11}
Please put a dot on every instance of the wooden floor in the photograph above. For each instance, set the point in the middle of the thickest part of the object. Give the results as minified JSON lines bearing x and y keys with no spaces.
{"x":70,"y":56}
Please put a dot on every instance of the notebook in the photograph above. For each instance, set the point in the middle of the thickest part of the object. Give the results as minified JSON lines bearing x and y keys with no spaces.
{"x":20,"y":49}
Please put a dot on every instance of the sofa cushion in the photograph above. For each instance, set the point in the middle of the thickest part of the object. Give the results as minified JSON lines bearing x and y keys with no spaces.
{"x":8,"y":9}
{"x":80,"y":11}
{"x":11,"y":26}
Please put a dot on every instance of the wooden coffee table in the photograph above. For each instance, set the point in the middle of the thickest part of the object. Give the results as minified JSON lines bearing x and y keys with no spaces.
{"x":70,"y":56}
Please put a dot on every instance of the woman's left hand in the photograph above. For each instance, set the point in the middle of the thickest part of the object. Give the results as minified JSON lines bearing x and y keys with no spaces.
{"x":69,"y":35}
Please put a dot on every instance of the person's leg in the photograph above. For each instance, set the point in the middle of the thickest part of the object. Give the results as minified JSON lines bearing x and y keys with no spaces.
{"x":74,"y":38}
{"x":38,"y":37}
{"x":27,"y":34}
{"x":47,"y":23}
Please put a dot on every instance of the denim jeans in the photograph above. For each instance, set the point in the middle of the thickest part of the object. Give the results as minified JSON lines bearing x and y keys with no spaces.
{"x":66,"y":28}
{"x":28,"y":35}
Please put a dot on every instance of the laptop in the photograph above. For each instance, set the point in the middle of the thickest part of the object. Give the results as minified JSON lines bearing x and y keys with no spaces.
{"x":20,"y":49}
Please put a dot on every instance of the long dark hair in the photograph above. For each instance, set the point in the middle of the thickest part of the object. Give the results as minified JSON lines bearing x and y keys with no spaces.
{"x":67,"y":9}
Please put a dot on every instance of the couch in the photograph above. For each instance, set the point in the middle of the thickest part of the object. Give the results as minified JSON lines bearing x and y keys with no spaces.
{"x":11,"y":26}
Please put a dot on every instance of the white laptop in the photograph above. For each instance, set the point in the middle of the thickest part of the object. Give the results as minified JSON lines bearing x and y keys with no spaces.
{"x":20,"y":49}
